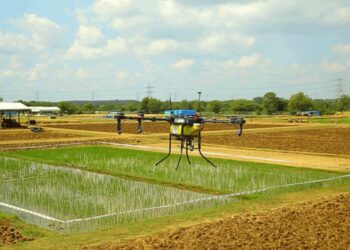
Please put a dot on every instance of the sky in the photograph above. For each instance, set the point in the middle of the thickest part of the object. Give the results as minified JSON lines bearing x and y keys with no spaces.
{"x":113,"y":49}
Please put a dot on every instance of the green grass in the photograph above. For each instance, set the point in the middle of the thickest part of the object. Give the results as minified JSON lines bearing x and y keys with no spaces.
{"x":67,"y":194}
{"x":230,"y":176}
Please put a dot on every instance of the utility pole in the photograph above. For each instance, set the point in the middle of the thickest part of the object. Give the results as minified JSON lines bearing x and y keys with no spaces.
{"x":149,"y":91}
{"x":199,"y":101}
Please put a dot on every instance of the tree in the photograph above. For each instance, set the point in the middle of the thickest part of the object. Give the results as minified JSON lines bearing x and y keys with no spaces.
{"x":67,"y":108}
{"x":270,"y":103}
{"x":242,"y":105}
{"x":1,"y":99}
{"x":343,"y":103}
{"x":90,"y":108}
{"x":299,"y":102}
{"x":151,"y":105}
{"x":215,"y":106}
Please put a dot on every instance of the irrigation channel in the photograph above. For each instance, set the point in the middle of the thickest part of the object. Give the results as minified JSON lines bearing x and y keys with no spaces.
{"x":71,"y":200}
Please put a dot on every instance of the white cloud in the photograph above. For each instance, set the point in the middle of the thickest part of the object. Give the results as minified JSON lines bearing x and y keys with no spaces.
{"x":162,"y":45}
{"x":183,"y":64}
{"x":341,"y":49}
{"x":124,"y":23}
{"x":89,"y":35}
{"x":14,"y":42}
{"x":116,"y":45}
{"x":333,"y":67}
{"x":7,"y":73}
{"x":340,"y":15}
{"x":82,"y":74}
{"x":37,"y":72}
{"x":111,"y":48}
{"x":249,"y":61}
{"x":122,"y":74}
{"x":44,"y":31}
{"x":255,"y":60}
{"x":108,"y":8}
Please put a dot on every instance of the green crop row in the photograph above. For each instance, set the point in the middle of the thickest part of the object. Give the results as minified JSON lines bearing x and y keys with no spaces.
{"x":230,"y":176}
{"x":70,"y":194}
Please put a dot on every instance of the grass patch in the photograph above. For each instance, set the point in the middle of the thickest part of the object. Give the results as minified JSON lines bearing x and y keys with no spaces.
{"x":230,"y":176}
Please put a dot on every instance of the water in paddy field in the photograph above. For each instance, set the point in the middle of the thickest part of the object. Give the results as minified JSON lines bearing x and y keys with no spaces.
{"x":71,"y":200}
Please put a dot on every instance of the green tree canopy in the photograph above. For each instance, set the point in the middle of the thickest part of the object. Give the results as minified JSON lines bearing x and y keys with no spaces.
{"x":67,"y":108}
{"x":343,"y":103}
{"x":270,"y":103}
{"x":299,"y":102}
{"x":215,"y":106}
{"x":242,"y":105}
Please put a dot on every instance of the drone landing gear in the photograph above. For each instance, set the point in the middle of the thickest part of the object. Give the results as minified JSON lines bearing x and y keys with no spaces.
{"x":187,"y":143}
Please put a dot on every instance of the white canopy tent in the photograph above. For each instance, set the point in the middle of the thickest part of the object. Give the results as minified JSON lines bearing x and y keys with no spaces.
{"x":45,"y":110}
{"x":9,"y":111}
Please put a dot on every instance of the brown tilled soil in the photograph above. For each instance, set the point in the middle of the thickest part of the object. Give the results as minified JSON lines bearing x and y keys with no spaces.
{"x":9,"y":235}
{"x":321,"y":225}
{"x":29,"y":135}
{"x":151,"y":127}
{"x":328,"y":141}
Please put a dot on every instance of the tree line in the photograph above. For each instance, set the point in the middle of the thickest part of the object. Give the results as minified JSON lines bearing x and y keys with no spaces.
{"x":268,"y":104}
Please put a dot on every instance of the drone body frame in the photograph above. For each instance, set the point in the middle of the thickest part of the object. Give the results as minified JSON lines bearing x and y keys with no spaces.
{"x":185,"y":126}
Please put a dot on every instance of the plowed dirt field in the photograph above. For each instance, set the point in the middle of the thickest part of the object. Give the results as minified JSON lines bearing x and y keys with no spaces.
{"x":8,"y":135}
{"x":151,"y":127}
{"x":321,"y":225}
{"x":328,"y":141}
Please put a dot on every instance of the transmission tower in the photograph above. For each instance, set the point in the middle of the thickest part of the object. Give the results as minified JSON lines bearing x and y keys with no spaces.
{"x":340,"y":87}
{"x":149,"y":90}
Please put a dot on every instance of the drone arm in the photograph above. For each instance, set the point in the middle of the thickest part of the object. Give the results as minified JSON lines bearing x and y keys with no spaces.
{"x":119,"y":117}
{"x":232,"y":121}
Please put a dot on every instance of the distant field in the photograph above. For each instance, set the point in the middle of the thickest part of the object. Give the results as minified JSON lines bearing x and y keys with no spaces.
{"x":325,"y":140}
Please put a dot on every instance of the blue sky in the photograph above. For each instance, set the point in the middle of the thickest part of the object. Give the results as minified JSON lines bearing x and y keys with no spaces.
{"x":107,"y":49}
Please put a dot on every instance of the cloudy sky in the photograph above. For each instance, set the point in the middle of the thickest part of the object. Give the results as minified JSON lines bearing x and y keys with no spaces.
{"x":113,"y":49}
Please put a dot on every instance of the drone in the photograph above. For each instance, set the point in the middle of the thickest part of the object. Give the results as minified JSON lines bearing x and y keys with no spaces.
{"x":185,"y":126}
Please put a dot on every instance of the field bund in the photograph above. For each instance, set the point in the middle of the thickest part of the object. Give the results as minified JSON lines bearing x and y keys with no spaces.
{"x":84,"y":188}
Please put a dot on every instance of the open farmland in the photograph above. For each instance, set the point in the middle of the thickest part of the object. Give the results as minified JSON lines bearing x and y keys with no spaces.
{"x":69,"y":179}
{"x":322,"y":224}
{"x":16,"y":135}
{"x":322,"y":140}
{"x":152,"y":127}
{"x":72,"y":195}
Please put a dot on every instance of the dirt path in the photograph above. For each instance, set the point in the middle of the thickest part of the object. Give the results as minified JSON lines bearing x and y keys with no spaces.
{"x":319,"y":225}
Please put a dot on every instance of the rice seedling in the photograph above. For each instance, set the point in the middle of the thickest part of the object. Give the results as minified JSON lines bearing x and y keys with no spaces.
{"x":76,"y":200}
{"x":230,"y":177}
